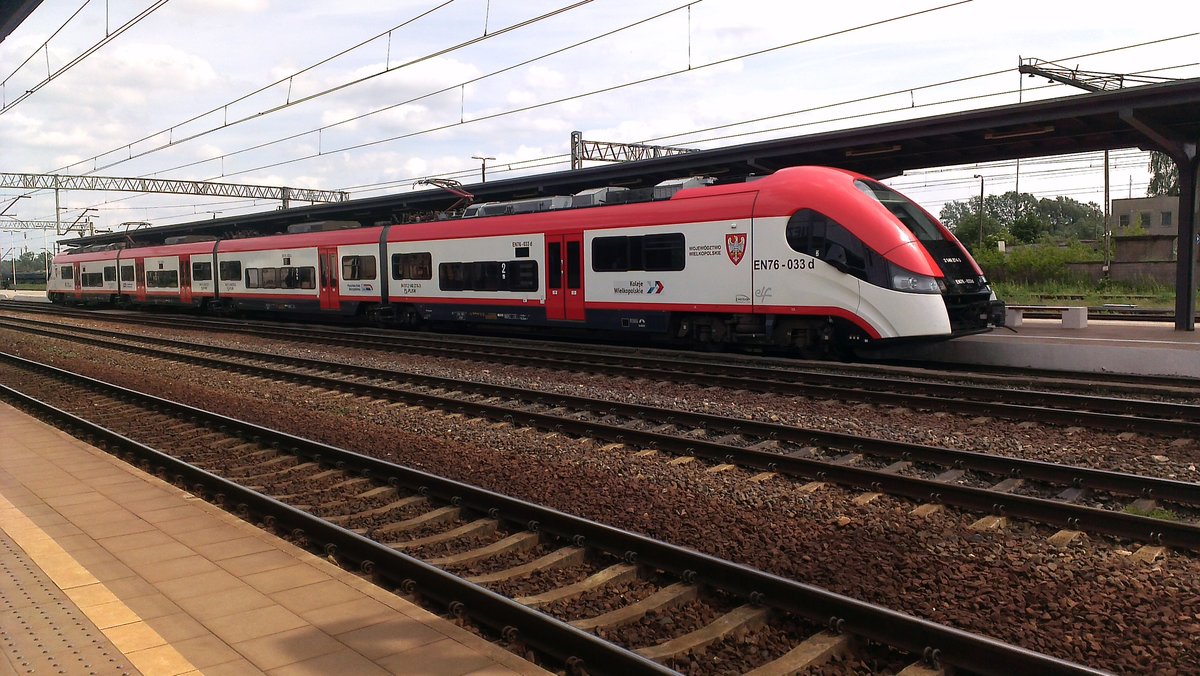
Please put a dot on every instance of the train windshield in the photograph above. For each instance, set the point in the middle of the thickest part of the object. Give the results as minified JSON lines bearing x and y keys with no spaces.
{"x":909,"y":214}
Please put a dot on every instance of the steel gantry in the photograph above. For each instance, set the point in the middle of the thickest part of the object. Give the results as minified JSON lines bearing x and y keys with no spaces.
{"x":606,"y":151}
{"x":164,"y":185}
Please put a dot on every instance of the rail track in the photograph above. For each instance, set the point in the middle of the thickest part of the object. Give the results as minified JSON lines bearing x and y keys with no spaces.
{"x":1068,"y":497}
{"x":1145,"y":416}
{"x":413,"y":531}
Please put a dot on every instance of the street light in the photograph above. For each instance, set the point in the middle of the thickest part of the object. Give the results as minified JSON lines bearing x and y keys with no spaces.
{"x":482,"y":166}
{"x":980,"y":177}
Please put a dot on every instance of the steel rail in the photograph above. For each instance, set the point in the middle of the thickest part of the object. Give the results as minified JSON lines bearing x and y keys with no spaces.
{"x":1132,"y":526}
{"x":946,"y":644}
{"x":1170,"y":418}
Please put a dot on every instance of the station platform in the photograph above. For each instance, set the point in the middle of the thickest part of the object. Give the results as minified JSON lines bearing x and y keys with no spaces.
{"x":24,"y":295}
{"x":1119,"y":347}
{"x":105,"y":569}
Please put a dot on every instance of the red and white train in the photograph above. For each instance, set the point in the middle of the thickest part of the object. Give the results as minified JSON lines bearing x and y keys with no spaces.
{"x":808,"y":258}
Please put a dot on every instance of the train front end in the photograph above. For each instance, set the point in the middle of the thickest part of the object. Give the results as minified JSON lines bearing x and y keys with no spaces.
{"x":970,"y":304}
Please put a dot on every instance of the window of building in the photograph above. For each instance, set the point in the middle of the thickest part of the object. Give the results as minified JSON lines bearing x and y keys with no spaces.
{"x":489,"y":276}
{"x":127,"y":273}
{"x":358,"y":267}
{"x":412,"y":266}
{"x":281,"y":278}
{"x":1124,"y":220}
{"x":652,"y":253}
{"x":67,"y":272}
{"x":92,"y":280}
{"x":229,"y":271}
{"x":202,"y":272}
{"x":1168,"y":218}
{"x":162,"y":279}
{"x":1144,"y":219}
{"x":110,"y":273}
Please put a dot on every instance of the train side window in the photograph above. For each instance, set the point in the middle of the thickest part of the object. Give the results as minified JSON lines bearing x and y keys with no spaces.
{"x":68,"y":272}
{"x":521,"y":275}
{"x":253,"y":278}
{"x":162,"y":279}
{"x":815,"y":234}
{"x":413,"y":266}
{"x":663,"y":253}
{"x":307,"y":276}
{"x":202,"y":272}
{"x":451,"y":276}
{"x":91,"y":280}
{"x":110,"y":273}
{"x":269,"y":277}
{"x":574,"y":266}
{"x":230,"y":271}
{"x":127,"y":273}
{"x":610,"y":254}
{"x":358,"y":267}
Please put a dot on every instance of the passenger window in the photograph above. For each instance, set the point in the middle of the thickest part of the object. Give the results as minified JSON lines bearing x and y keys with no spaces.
{"x":253,"y":278}
{"x":127,"y":273}
{"x":413,"y":266}
{"x":68,"y":272}
{"x":815,"y":234}
{"x":202,"y":272}
{"x":110,"y":273}
{"x":230,"y":271}
{"x":653,"y":253}
{"x":358,"y":267}
{"x":554,"y":261}
{"x":574,"y":266}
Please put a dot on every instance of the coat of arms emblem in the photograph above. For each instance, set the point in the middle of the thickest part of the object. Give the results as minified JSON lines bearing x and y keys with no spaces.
{"x":735,"y":246}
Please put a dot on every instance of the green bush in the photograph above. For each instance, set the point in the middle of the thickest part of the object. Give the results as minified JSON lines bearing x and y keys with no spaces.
{"x":1036,"y":264}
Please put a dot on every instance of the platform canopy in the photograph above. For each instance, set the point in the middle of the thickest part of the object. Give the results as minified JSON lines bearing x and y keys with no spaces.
{"x":1153,"y":117}
{"x":13,"y":12}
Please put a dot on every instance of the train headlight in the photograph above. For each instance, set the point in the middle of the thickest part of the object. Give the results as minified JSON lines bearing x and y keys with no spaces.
{"x":912,"y":282}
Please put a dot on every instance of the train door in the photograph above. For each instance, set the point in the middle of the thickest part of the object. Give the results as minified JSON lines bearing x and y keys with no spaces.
{"x":185,"y":280}
{"x":330,"y":296}
{"x":564,"y":277}
{"x":555,"y":300}
{"x":77,"y":279}
{"x":139,"y":279}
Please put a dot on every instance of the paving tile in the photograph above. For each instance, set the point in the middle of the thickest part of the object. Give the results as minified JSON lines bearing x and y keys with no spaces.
{"x":221,"y":533}
{"x":308,"y":597}
{"x":104,"y":527}
{"x":134,"y":636}
{"x":202,"y":583}
{"x":138,"y":558}
{"x":256,"y":623}
{"x":163,"y":659}
{"x":177,"y":627}
{"x":151,"y":606}
{"x":288,"y":577}
{"x":91,"y":595}
{"x":180,"y":527}
{"x":108,"y":615}
{"x":389,"y":637}
{"x":174,"y":513}
{"x":206,"y":651}
{"x":109,"y":570}
{"x":446,"y":657}
{"x":181,"y":568}
{"x":349,"y":615}
{"x":228,"y":602}
{"x":341,"y":662}
{"x":257,"y":562}
{"x":147,"y":538}
{"x":128,"y":588}
{"x":238,"y":667}
{"x":241,"y":546}
{"x":494,"y":670}
{"x":287,"y":647}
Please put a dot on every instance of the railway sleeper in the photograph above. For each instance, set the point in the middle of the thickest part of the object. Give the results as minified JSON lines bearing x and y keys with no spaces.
{"x":734,"y":623}
{"x":666,"y":597}
{"x":810,"y":653}
{"x":398,"y":504}
{"x":476,"y":527}
{"x":441,"y":515}
{"x":517,"y":542}
{"x":561,"y":558}
{"x":621,"y":572}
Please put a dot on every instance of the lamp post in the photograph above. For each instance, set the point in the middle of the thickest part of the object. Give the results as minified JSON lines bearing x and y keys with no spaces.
{"x":980,"y":177}
{"x":482,"y":166}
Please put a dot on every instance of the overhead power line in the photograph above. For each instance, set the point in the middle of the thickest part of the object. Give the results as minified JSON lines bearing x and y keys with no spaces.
{"x":51,"y":75}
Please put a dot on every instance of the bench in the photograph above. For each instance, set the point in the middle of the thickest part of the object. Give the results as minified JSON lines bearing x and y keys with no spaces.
{"x":1073,"y":317}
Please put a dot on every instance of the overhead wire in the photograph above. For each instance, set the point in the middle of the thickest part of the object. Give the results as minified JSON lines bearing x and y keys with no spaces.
{"x":50,"y":77}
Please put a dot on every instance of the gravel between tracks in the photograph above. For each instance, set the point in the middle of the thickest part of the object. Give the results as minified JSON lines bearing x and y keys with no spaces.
{"x":1086,"y":603}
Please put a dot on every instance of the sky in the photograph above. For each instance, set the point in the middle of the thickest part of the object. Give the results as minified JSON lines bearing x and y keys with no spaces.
{"x":369,"y":96}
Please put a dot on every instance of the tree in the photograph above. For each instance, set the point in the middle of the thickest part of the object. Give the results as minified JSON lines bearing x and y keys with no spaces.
{"x":1164,"y":175}
{"x":1028,"y":227}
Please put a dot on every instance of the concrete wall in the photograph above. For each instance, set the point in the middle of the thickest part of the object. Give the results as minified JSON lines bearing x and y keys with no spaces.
{"x":1156,"y":215}
{"x":1136,"y":248}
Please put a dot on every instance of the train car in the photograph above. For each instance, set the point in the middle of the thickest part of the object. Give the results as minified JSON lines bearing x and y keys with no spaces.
{"x":811,"y":259}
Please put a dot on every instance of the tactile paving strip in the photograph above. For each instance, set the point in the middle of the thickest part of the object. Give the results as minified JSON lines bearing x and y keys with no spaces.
{"x":41,"y":630}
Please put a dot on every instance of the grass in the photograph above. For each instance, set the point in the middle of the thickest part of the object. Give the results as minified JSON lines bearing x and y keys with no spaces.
{"x":1156,"y":513}
{"x":1085,"y":294}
